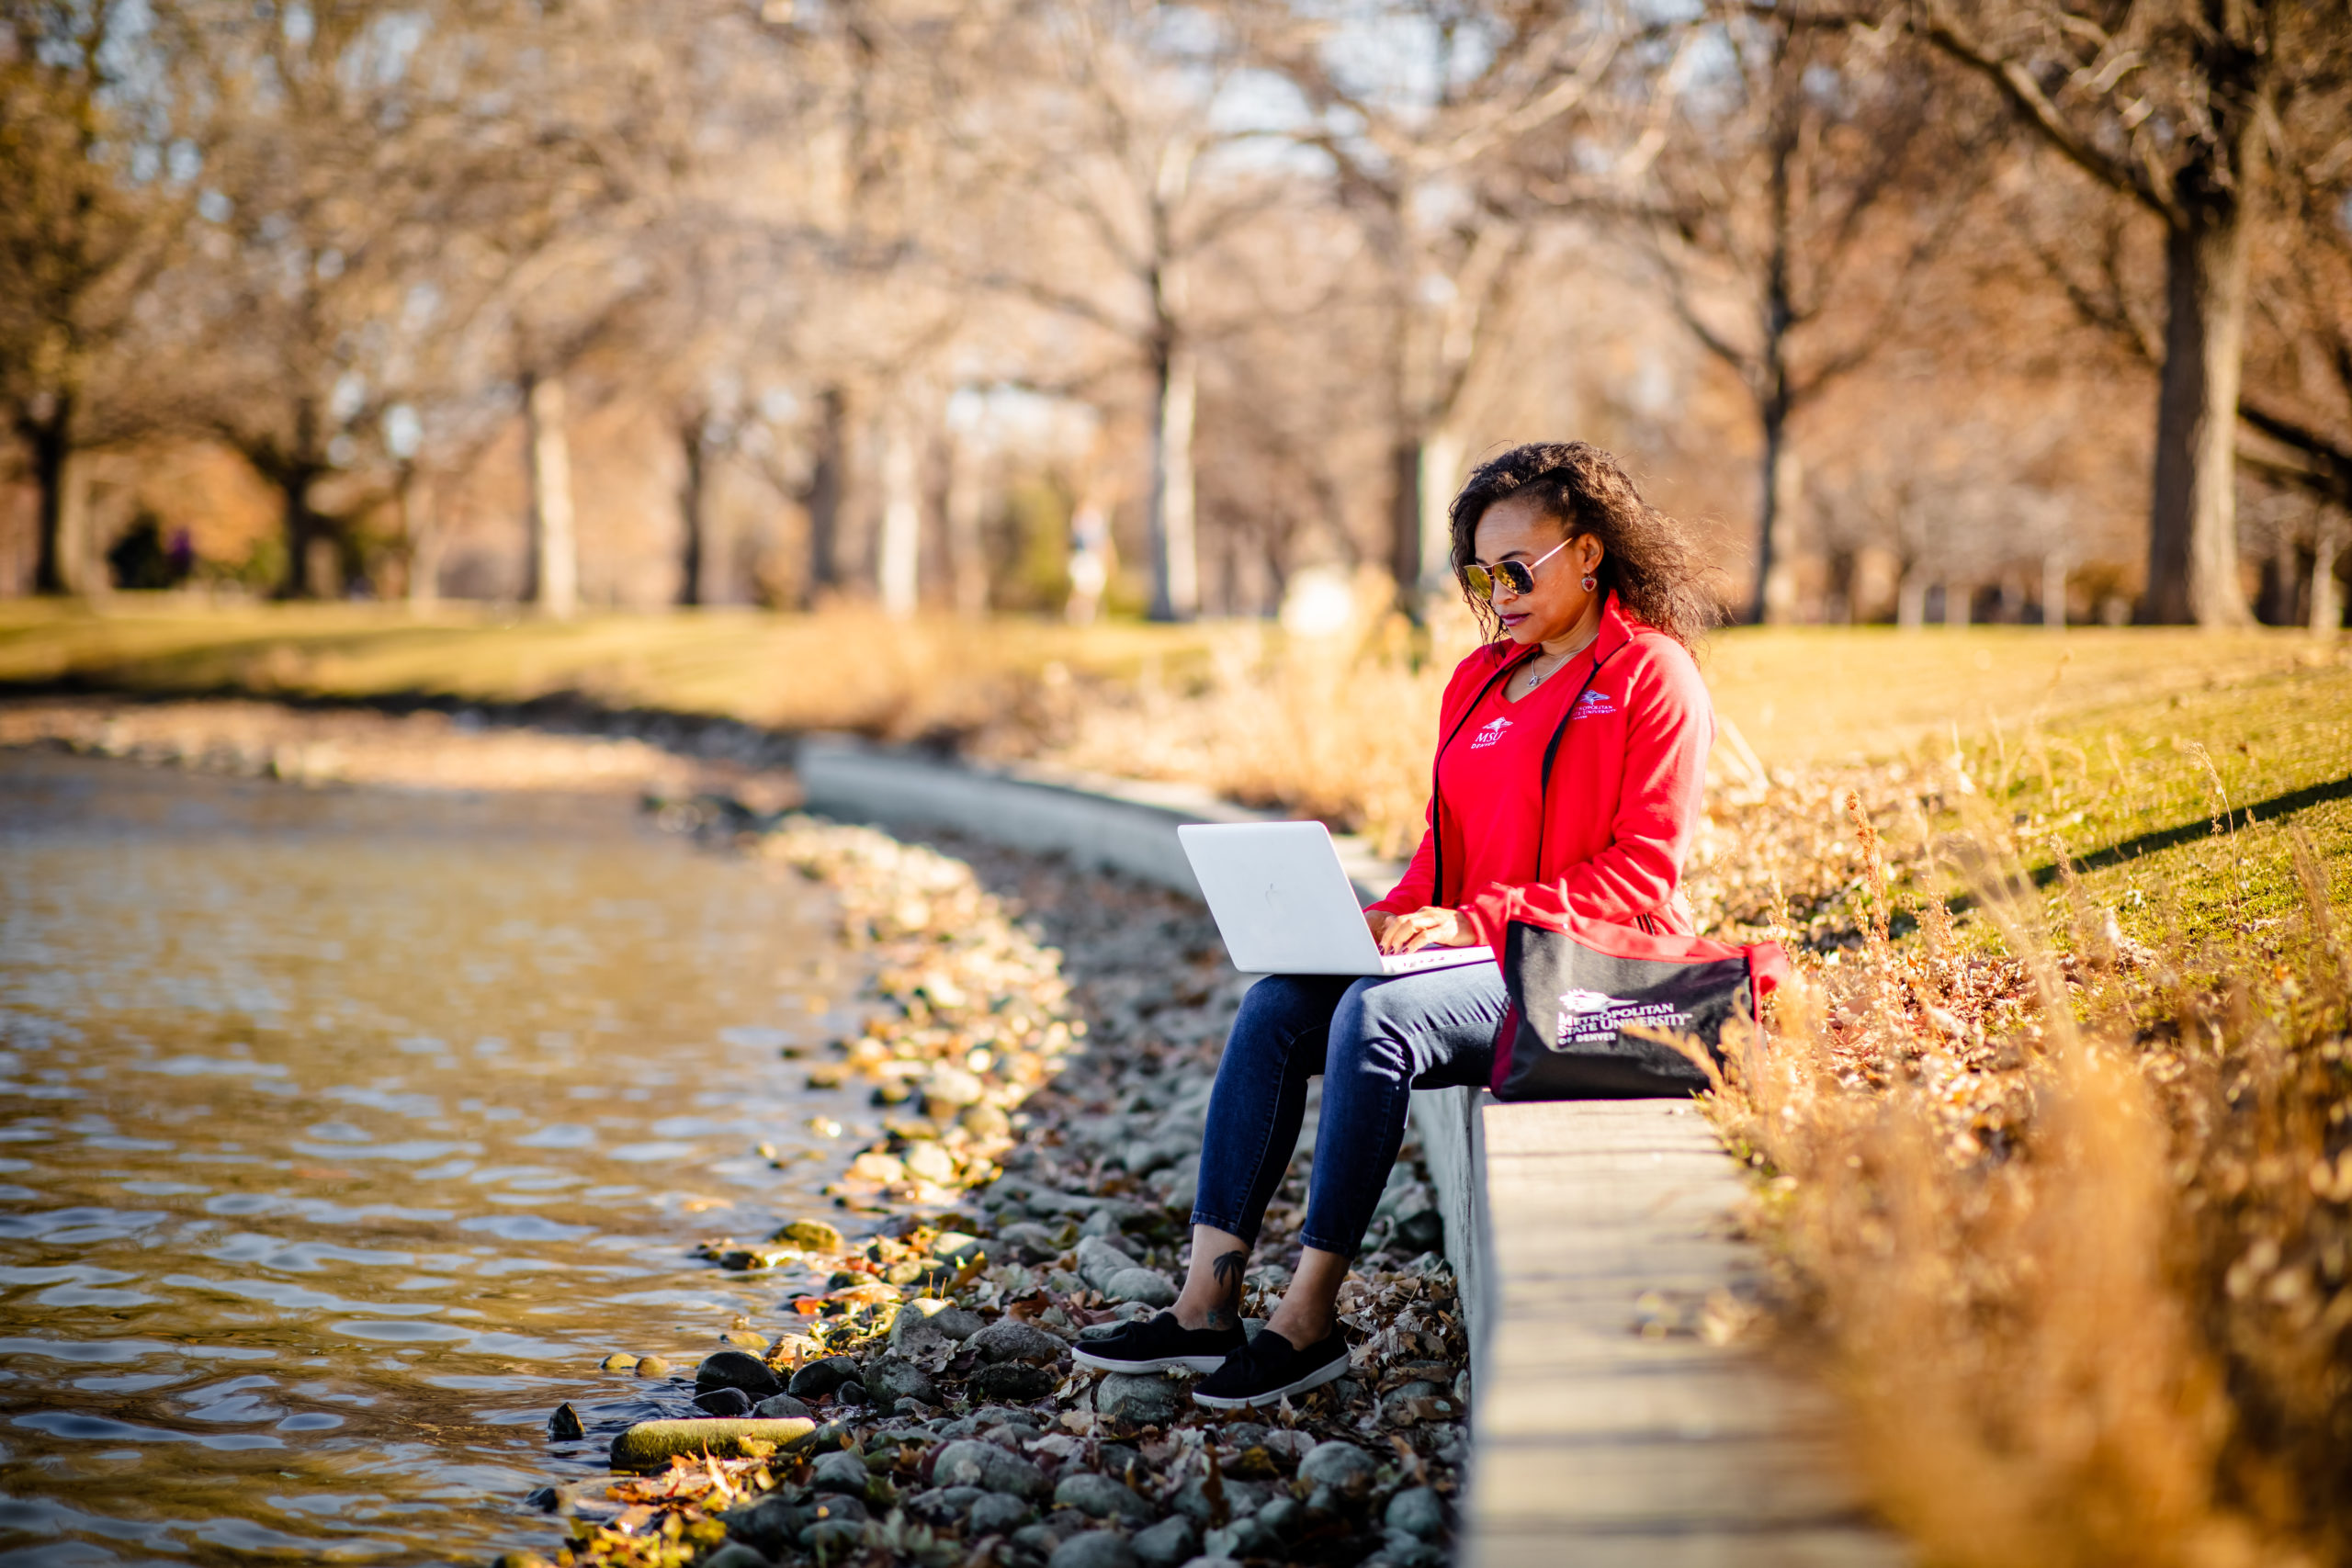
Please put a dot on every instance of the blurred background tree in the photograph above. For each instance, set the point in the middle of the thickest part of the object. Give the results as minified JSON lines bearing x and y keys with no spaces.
{"x":1937,"y":308}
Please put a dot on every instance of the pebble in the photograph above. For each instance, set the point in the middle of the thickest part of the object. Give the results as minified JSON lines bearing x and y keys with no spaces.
{"x":618,"y":1361}
{"x":894,"y":1378}
{"x":1282,"y":1516}
{"x":780,"y":1407}
{"x":1343,"y":1467}
{"x":1241,"y":1497}
{"x":1009,"y":1339}
{"x":1146,"y":1400}
{"x":1101,"y":1497}
{"x":1011,"y":1383}
{"x":739,"y":1369}
{"x":812,"y":1235}
{"x":840,"y":1471}
{"x":1166,"y":1544}
{"x":1149,"y":1286}
{"x":723,"y":1401}
{"x":999,"y":1513}
{"x":944,"y":1505}
{"x":652,"y":1367}
{"x":821,"y":1378}
{"x":563,"y":1427}
{"x":975,"y":1462}
{"x":833,"y":1538}
{"x":1417,"y":1511}
{"x":1094,"y":1548}
{"x":734,"y":1554}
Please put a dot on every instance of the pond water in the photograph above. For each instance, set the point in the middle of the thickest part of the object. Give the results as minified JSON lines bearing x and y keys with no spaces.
{"x":342,"y":1133}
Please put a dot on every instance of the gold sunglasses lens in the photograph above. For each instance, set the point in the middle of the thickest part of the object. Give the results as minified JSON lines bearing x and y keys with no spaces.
{"x":1476,"y":580}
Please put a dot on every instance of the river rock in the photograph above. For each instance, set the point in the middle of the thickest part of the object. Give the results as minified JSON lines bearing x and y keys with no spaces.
{"x":942,"y":1507}
{"x":956,"y":1247}
{"x":974,"y":1462}
{"x":1143,"y":1400}
{"x":819,"y":1379}
{"x":1098,"y":1261}
{"x":928,"y":1162}
{"x":781,"y":1407}
{"x":999,"y":1513}
{"x":1167,"y":1544}
{"x":1284,"y":1515}
{"x":738,"y":1369}
{"x":773,"y":1524}
{"x":723,"y":1401}
{"x":1417,"y":1511}
{"x":1031,"y":1241}
{"x":812,"y":1235}
{"x":832,"y":1540}
{"x":650,"y":1445}
{"x":652,"y":1367}
{"x":1241,"y":1497}
{"x":734,"y":1554}
{"x":564,"y":1427}
{"x":1009,"y":1339}
{"x":1011,"y":1383}
{"x":1101,"y":1497}
{"x":1343,"y":1467}
{"x":1094,"y":1548}
{"x":618,"y":1361}
{"x":840,"y":1471}
{"x":893,"y":1378}
{"x":837,"y":1506}
{"x":1149,"y":1286}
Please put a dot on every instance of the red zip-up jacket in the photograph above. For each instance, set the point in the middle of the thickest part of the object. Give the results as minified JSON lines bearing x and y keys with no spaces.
{"x":1627,"y":788}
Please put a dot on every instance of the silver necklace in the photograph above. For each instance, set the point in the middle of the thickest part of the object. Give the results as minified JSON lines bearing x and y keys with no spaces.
{"x":1536,"y":681}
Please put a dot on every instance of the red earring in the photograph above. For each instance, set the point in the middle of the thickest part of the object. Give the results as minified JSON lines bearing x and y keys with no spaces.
{"x":1590,"y":582}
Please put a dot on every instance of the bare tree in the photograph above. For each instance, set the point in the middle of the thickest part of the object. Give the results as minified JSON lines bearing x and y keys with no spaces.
{"x":1788,"y":194}
{"x":1422,"y":141}
{"x":2188,"y":109}
{"x":98,"y":155}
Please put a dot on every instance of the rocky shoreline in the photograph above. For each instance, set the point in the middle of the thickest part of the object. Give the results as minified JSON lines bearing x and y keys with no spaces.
{"x":1042,"y":1046}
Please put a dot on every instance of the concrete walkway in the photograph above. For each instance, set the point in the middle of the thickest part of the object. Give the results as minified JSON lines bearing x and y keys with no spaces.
{"x":1608,"y":1431}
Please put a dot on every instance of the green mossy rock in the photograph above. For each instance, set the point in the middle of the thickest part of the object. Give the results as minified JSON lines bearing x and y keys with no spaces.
{"x":650,"y":1445}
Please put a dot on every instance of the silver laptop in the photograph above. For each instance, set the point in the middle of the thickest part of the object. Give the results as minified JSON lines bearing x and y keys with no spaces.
{"x":1285,"y":907}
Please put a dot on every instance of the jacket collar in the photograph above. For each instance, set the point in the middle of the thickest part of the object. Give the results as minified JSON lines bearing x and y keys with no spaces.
{"x":1616,"y":630}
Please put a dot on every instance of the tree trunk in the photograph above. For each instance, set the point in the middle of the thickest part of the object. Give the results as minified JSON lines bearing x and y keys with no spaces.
{"x":1783,"y":482}
{"x":2192,"y":524}
{"x":421,"y":527}
{"x":1175,"y":563}
{"x":52,"y":440}
{"x":2054,"y":590}
{"x":967,"y":560}
{"x":1405,"y":516}
{"x":1911,"y":601}
{"x":691,"y":520}
{"x":2327,"y":602}
{"x":827,"y":485}
{"x":555,"y":550}
{"x":1438,"y":472}
{"x":899,"y":552}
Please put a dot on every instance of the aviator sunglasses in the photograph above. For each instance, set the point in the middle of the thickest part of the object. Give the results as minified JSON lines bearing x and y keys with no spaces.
{"x":1517,"y":576}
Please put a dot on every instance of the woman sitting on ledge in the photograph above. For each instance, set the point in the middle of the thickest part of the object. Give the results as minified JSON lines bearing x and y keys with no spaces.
{"x":1591,"y":598}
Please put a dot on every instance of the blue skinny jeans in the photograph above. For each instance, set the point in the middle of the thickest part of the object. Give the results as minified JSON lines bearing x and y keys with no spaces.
{"x":1375,"y":1040}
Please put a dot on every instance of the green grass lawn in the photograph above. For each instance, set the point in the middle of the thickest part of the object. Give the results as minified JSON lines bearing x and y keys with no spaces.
{"x":2178,"y":810}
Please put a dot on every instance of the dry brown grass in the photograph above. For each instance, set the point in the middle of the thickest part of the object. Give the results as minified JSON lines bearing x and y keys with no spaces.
{"x":2065,"y":1214}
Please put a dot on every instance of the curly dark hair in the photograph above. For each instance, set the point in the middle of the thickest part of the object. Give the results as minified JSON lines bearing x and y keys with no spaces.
{"x":1645,"y":556}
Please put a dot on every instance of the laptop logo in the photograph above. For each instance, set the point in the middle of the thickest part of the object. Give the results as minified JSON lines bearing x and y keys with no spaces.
{"x":1490,"y":733}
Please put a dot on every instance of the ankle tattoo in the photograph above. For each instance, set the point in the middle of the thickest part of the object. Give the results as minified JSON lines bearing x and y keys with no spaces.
{"x":1227,"y":1269}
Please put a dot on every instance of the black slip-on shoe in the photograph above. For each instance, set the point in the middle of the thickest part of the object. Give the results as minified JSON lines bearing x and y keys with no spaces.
{"x":1270,"y":1367}
{"x":1159,"y":1345}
